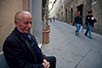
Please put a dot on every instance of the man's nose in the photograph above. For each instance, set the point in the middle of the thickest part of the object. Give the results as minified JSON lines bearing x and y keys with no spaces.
{"x":29,"y":25}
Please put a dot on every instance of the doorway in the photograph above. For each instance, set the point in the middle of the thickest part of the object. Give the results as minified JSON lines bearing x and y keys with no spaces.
{"x":66,"y":15}
{"x":71,"y":15}
{"x":80,"y":8}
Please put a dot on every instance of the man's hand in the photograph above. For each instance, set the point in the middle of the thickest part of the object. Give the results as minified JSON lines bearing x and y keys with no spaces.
{"x":46,"y":64}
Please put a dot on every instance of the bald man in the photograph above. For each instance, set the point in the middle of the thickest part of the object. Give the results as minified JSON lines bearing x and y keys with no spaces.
{"x":21,"y":48}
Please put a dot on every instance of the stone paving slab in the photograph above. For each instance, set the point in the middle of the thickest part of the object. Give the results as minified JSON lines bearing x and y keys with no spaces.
{"x":72,"y":51}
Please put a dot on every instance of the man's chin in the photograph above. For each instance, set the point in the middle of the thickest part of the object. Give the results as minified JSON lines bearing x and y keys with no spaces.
{"x":27,"y":32}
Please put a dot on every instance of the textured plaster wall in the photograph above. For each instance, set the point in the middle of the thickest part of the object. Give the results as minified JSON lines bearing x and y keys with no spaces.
{"x":97,"y":11}
{"x":8,"y":8}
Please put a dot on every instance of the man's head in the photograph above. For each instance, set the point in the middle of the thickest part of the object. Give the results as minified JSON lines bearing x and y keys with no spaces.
{"x":90,"y":12}
{"x":78,"y":13}
{"x":23,"y":21}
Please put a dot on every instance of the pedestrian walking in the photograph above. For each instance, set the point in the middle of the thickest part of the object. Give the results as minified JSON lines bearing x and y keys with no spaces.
{"x":78,"y":23}
{"x":89,"y":22}
{"x":53,"y":19}
{"x":50,"y":19}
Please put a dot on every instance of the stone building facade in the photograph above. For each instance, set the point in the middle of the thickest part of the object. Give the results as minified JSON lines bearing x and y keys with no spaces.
{"x":8,"y":9}
{"x":68,"y":11}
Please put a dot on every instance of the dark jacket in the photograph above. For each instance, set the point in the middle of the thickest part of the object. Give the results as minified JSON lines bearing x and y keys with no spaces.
{"x":90,"y":20}
{"x":18,"y":53}
{"x":78,"y":20}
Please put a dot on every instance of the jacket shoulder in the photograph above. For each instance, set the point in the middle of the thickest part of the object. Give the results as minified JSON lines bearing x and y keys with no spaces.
{"x":10,"y":40}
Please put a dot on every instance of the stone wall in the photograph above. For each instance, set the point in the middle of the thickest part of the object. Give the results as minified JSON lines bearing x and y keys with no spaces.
{"x":8,"y":8}
{"x":97,"y":11}
{"x":87,"y":4}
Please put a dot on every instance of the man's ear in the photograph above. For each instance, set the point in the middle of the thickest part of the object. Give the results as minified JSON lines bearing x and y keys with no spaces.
{"x":16,"y":22}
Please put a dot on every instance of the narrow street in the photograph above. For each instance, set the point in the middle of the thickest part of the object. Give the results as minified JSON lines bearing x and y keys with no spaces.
{"x":72,"y":51}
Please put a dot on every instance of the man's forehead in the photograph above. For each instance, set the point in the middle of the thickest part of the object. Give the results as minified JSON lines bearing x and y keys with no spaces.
{"x":24,"y":14}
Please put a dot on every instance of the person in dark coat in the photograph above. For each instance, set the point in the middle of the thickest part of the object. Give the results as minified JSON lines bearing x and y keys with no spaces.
{"x":21,"y":48}
{"x":78,"y":23}
{"x":89,"y":21}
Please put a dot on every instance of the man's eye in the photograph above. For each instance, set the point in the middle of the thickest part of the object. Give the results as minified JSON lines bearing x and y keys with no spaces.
{"x":28,"y":22}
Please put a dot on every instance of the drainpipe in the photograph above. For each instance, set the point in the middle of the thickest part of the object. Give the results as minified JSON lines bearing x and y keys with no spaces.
{"x":46,"y":28}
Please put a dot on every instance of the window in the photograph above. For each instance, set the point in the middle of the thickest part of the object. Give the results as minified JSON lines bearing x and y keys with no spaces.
{"x":94,"y":2}
{"x":60,"y":1}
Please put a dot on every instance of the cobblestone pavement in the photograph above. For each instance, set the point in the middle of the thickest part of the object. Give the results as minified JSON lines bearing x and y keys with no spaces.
{"x":73,"y":51}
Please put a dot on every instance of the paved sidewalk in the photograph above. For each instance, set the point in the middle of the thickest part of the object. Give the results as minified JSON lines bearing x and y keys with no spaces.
{"x":72,"y":51}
